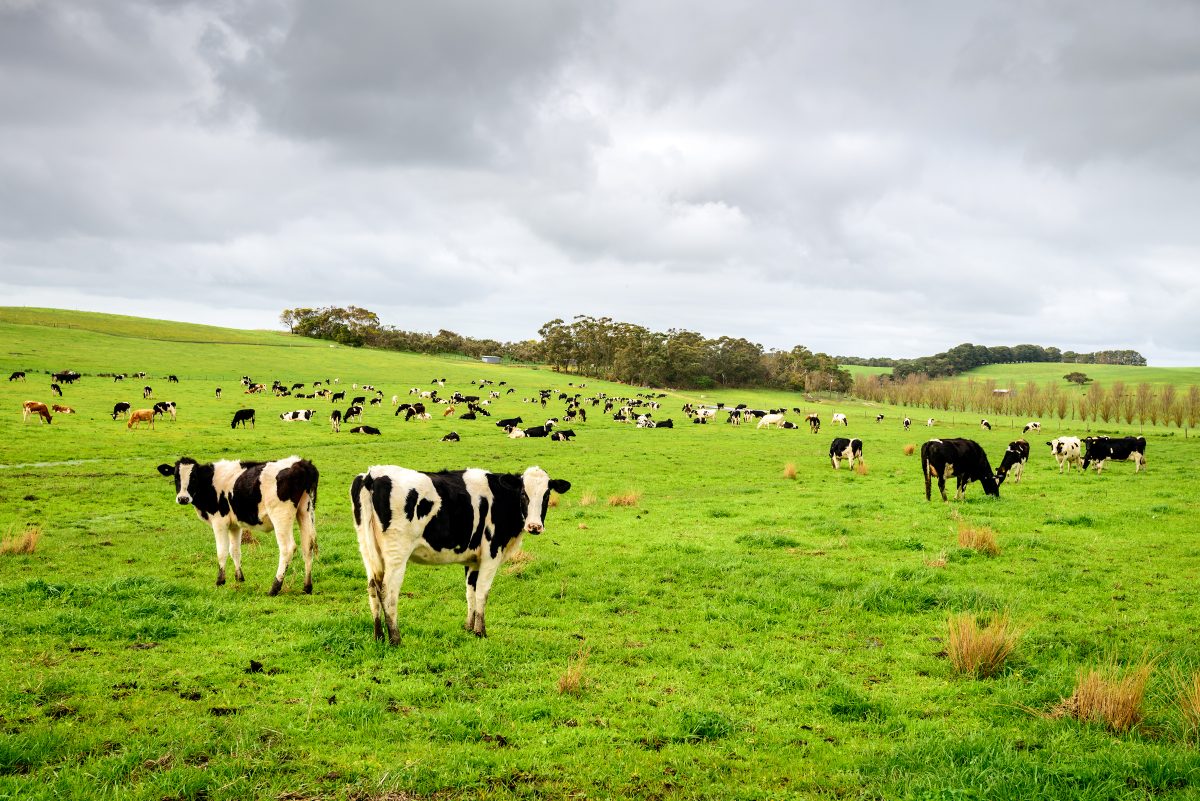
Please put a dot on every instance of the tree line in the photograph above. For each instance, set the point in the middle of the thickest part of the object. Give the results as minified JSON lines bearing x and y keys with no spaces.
{"x":1142,"y":403}
{"x":966,"y":356}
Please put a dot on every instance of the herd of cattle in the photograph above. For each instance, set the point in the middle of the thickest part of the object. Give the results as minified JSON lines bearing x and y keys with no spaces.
{"x":476,"y":518}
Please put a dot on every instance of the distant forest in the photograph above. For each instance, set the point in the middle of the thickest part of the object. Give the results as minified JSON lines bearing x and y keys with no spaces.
{"x":966,"y":356}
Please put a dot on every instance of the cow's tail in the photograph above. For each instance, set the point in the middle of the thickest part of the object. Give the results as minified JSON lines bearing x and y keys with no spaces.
{"x":367,"y":525}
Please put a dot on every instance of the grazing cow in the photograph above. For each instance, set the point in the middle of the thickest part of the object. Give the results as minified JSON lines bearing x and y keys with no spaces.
{"x":302,"y":415}
{"x":930,"y":421}
{"x":140,"y":416}
{"x":962,"y":458}
{"x":842,"y":448}
{"x":907,"y":423}
{"x":469,"y":517}
{"x":1032,"y":425}
{"x":372,"y":430}
{"x":451,"y":437}
{"x":1119,"y":449}
{"x":58,"y":409}
{"x":562,"y":435}
{"x":1015,"y":457}
{"x":118,"y":377}
{"x":376,"y":401}
{"x":512,"y":421}
{"x":172,"y":379}
{"x":360,"y":400}
{"x":769,"y":420}
{"x":337,"y":396}
{"x":243,"y":416}
{"x":35,"y":407}
{"x":838,"y":417}
{"x":147,"y":392}
{"x":1067,"y":451}
{"x":879,"y":418}
{"x":267,"y":496}
{"x":814,"y":423}
{"x":19,"y":375}
{"x":164,"y":408}
{"x":56,"y":389}
{"x":353,"y":411}
{"x":65,"y":377}
{"x":218,"y":393}
{"x":120,"y":410}
{"x":335,"y":420}
{"x":985,"y":425}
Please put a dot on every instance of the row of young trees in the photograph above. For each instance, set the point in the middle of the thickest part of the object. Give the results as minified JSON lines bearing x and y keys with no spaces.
{"x":1117,"y":402}
{"x":633,"y":354}
{"x":966,"y":356}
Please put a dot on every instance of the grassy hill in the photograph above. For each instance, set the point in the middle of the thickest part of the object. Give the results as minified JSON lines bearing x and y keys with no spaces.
{"x":732,"y":633}
{"x":1042,"y":372}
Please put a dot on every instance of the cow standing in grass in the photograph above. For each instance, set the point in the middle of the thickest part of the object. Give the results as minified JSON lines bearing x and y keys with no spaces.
{"x":1013,"y":462}
{"x":963,"y":459}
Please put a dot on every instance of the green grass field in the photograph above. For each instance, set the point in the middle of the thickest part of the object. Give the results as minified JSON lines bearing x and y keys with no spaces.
{"x":735,"y":634}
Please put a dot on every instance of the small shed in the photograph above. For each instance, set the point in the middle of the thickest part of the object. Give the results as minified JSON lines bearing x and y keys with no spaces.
{"x":490,"y":359}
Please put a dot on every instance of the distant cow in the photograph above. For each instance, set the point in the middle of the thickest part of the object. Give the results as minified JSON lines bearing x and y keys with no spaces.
{"x":1119,"y":449}
{"x":335,"y":420}
{"x":56,"y":389}
{"x":512,"y":421}
{"x":353,"y":411}
{"x":879,"y":418}
{"x":1067,"y":451}
{"x":164,"y":408}
{"x":907,"y":423}
{"x":140,"y":416}
{"x":842,"y":448}
{"x":300,"y":415}
{"x":470,"y":517}
{"x":147,"y":392}
{"x":232,"y":496}
{"x":769,"y":420}
{"x":19,"y":375}
{"x":564,"y":435}
{"x":985,"y":425}
{"x":38,"y":408}
{"x":962,"y":458}
{"x":814,"y":423}
{"x":218,"y":393}
{"x":120,"y":410}
{"x":1031,"y":426}
{"x":172,"y":379}
{"x":243,"y":416}
{"x":372,"y":430}
{"x":930,"y":421}
{"x":1015,"y":457}
{"x":59,"y":409}
{"x":838,"y":417}
{"x":337,"y":396}
{"x":668,"y":423}
{"x":451,"y":437}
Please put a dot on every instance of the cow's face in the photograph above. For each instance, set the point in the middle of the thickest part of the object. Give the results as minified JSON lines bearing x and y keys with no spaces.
{"x":182,"y":470}
{"x":535,"y":497}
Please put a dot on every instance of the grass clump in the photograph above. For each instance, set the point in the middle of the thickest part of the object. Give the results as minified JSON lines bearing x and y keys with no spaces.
{"x":572,"y":682}
{"x":1188,"y":700}
{"x":587,"y":499}
{"x":26,"y":542}
{"x":861,"y":468}
{"x":1103,"y":697}
{"x":981,"y":539}
{"x":789,"y":471}
{"x":630,"y":498}
{"x":910,"y":449}
{"x":980,"y":651}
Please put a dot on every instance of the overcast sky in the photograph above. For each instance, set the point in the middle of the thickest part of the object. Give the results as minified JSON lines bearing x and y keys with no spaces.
{"x":868,"y":178}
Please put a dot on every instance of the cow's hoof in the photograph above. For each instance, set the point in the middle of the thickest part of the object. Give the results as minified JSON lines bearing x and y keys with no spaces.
{"x":308,"y":588}
{"x":276,"y":587}
{"x":238,"y":575}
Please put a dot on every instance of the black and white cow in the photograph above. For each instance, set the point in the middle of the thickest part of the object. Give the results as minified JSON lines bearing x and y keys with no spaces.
{"x":337,"y":396}
{"x":1015,"y":457}
{"x":300,"y":415}
{"x":268,"y":496}
{"x":56,"y":389}
{"x":468,"y":517}
{"x":1067,"y":451}
{"x":962,"y":458}
{"x":243,"y":416}
{"x":451,"y":437}
{"x":668,"y":423}
{"x":814,"y":423}
{"x":217,"y":393}
{"x":879,"y":418}
{"x":120,"y":410}
{"x":842,"y":448}
{"x":335,"y":420}
{"x":985,"y":425}
{"x":163,"y":408}
{"x":19,"y":375}
{"x":147,"y":392}
{"x":172,"y":379}
{"x":511,"y":421}
{"x":1119,"y":449}
{"x":353,"y":411}
{"x":838,"y":417}
{"x":563,"y":435}
{"x":371,"y":430}
{"x":907,"y":423}
{"x":1032,"y":425}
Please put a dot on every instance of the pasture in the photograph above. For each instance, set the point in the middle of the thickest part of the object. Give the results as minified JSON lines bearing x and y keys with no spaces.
{"x":724,"y":632}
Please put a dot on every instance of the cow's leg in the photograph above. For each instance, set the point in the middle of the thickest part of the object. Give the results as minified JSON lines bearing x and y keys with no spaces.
{"x":396,"y":562}
{"x":221,"y":534}
{"x":483,"y":585}
{"x":834,"y":461}
{"x":942,"y":485}
{"x":308,"y":538}
{"x":282,"y":520}
{"x":472,"y":579}
{"x":235,"y":550}
{"x":962,"y":488}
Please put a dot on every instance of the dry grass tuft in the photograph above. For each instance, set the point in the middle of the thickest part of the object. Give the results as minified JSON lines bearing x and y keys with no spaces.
{"x":1188,"y":698}
{"x":587,"y":499}
{"x":910,"y":449}
{"x":630,"y":498}
{"x":789,"y":470}
{"x":1101,"y":697}
{"x":861,"y":468}
{"x":248,"y":537}
{"x":25,"y":542}
{"x":980,"y":652}
{"x":981,"y":539}
{"x":553,"y":502}
{"x":939,"y":561}
{"x":571,"y":682}
{"x":515,"y":564}
{"x":583,"y":526}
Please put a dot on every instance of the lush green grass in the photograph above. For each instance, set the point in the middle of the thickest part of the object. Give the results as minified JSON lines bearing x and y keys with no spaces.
{"x":747,"y":636}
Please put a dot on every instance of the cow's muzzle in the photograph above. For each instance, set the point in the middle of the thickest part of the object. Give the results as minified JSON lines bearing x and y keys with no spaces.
{"x":534,"y":528}
{"x":183,"y":500}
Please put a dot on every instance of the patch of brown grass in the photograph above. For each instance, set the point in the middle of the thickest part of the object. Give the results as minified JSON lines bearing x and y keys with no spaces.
{"x":515,"y":564}
{"x":981,"y":539}
{"x":980,"y":651}
{"x":861,"y":468}
{"x":1188,"y":699}
{"x":630,"y":498}
{"x":572,"y":682}
{"x":587,"y":499}
{"x":1102,"y":697}
{"x":25,"y":542}
{"x":248,"y":537}
{"x":938,"y":561}
{"x":910,"y":449}
{"x":789,"y":470}
{"x":553,"y":502}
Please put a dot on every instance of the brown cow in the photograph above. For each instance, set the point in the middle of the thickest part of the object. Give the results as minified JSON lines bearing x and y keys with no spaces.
{"x":63,"y":409}
{"x":35,"y":407}
{"x":139,"y":416}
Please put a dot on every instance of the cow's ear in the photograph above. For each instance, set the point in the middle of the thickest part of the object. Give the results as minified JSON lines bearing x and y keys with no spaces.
{"x":560,"y":485}
{"x":166,"y":469}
